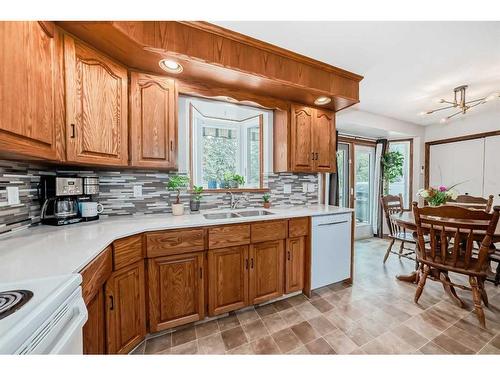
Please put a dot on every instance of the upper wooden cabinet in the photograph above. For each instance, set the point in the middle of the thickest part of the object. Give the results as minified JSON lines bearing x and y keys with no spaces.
{"x":125,"y":308}
{"x":153,"y":121}
{"x":304,"y":140}
{"x":31,"y":89}
{"x":96,"y":107}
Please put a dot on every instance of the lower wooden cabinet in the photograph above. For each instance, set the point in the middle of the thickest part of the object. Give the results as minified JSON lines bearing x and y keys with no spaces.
{"x":176,"y":290}
{"x":94,"y":330}
{"x":125,"y":308}
{"x":227,"y":279}
{"x":266,"y":271}
{"x":294,"y":264}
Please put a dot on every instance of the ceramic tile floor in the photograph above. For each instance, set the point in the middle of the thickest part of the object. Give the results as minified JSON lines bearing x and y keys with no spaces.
{"x":376,"y":315}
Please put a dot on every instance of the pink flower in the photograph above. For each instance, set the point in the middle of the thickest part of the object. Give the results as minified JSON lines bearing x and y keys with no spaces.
{"x":442,"y":188}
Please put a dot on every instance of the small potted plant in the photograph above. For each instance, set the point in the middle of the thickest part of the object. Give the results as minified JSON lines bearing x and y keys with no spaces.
{"x":176,"y":183}
{"x":266,"y":198}
{"x":237,"y":181}
{"x":194,"y":204}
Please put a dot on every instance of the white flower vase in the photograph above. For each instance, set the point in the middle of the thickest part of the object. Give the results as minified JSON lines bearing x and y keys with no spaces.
{"x":177,"y":209}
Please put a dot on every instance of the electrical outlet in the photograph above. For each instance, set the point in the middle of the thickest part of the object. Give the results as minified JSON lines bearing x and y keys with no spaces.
{"x":137,"y":191}
{"x":13,"y":195}
{"x":287,"y":189}
{"x":304,"y":187}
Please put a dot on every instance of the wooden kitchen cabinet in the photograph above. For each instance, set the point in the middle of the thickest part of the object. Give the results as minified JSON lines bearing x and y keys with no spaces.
{"x":306,"y":140}
{"x":227,"y":279}
{"x":176,"y":290}
{"x":125,"y":308}
{"x":94,"y":330}
{"x":153,"y":121}
{"x":96,"y":107}
{"x":294,"y":264}
{"x":266,"y":271}
{"x":31,"y":89}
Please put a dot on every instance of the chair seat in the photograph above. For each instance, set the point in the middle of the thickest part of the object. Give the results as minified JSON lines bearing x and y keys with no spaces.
{"x":458,"y":268}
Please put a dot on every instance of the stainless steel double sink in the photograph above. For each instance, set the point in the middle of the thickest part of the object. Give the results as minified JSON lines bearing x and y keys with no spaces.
{"x":230,"y":215}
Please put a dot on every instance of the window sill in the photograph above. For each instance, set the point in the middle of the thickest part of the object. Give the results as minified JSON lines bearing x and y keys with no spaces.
{"x":243,"y":190}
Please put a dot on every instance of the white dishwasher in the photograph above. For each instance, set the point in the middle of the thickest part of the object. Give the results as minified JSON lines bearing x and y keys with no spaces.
{"x":331,"y":249}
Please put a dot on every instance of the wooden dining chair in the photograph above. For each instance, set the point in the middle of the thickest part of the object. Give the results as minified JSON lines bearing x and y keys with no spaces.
{"x":440,"y":256}
{"x":393,"y":204}
{"x":468,"y":201}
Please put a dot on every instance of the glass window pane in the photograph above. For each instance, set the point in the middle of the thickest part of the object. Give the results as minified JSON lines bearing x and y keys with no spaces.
{"x":364,"y":159}
{"x":402,"y":184}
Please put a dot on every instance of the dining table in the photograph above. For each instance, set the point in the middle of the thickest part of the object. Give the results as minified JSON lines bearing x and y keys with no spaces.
{"x":406,"y":220}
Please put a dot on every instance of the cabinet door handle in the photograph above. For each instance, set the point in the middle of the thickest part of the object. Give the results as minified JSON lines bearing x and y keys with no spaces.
{"x":112,"y":302}
{"x":246,"y":263}
{"x":171,"y":146}
{"x":72,"y":130}
{"x":251,"y":263}
{"x":317,"y":156}
{"x":312,"y":155}
{"x":288,"y":255}
{"x":201,"y":273}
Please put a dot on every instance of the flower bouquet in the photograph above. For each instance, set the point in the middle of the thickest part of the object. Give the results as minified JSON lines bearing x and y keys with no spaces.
{"x":438,"y":196}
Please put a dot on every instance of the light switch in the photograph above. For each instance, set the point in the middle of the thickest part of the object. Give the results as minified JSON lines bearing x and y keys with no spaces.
{"x":13,"y":195}
{"x":137,"y":191}
{"x":287,"y":188}
{"x":304,"y":187}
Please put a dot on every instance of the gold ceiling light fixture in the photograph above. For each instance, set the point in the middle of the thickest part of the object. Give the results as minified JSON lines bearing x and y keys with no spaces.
{"x":460,"y":103}
{"x":171,"y":66}
{"x":322,"y":100}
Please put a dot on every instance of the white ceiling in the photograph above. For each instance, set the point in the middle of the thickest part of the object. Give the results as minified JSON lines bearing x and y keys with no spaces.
{"x":408,"y":66}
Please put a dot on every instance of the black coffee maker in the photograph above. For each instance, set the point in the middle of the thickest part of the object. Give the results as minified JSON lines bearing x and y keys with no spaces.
{"x":59,"y":199}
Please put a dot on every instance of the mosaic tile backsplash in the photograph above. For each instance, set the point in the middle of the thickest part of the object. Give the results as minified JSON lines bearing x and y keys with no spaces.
{"x":116,"y":192}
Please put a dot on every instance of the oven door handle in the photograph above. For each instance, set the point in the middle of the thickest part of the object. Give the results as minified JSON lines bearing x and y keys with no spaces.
{"x":76,"y":323}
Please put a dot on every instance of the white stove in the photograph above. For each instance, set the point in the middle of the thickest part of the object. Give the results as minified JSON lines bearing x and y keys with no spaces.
{"x":42,"y":316}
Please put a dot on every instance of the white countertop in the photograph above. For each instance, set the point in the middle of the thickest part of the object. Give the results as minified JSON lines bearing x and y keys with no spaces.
{"x":45,"y":251}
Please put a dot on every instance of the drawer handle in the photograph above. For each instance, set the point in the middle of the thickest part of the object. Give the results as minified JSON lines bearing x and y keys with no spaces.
{"x":246,"y":263}
{"x":112,"y":301}
{"x":201,"y":273}
{"x":72,"y":130}
{"x":171,"y":146}
{"x":338,"y":222}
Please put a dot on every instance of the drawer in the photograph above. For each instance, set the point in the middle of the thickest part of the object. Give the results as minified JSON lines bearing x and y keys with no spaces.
{"x":96,"y":274}
{"x":268,"y":231}
{"x":174,"y":242}
{"x":298,"y":227}
{"x":127,"y":251}
{"x":228,"y":235}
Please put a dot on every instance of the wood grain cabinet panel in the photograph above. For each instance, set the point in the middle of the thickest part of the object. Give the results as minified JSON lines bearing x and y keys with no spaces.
{"x":125,"y":308}
{"x":294,"y":264}
{"x":298,"y":227}
{"x":227,"y":279}
{"x":302,"y":119}
{"x":95,"y":274}
{"x":266,"y":271}
{"x":127,"y":250}
{"x":268,"y":230}
{"x":94,"y":330}
{"x":228,"y":235}
{"x":176,"y":290}
{"x":174,"y":242}
{"x":31,"y":89}
{"x":324,"y":134}
{"x":96,"y":106}
{"x":153,"y":121}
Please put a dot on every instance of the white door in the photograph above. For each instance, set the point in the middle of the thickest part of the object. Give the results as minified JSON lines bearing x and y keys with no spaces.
{"x":492,"y":168}
{"x":458,"y":163}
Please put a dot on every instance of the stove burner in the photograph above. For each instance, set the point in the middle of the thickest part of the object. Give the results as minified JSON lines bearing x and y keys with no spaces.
{"x":13,"y":300}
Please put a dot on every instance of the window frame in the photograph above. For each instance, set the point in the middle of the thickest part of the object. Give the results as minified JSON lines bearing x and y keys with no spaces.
{"x":410,"y":168}
{"x":260,"y":187}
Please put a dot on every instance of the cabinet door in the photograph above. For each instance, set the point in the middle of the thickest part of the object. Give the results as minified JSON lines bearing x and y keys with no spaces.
{"x":153,"y":140}
{"x":176,"y":290}
{"x":96,"y":106}
{"x":125,"y":309}
{"x":227,"y":279}
{"x":266,"y":271}
{"x":324,"y":141}
{"x":301,"y":138}
{"x":294,"y":264}
{"x":94,"y":330}
{"x":31,"y":88}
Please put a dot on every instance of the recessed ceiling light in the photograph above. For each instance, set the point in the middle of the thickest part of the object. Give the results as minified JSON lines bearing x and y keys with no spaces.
{"x":171,"y":66}
{"x":322,"y":100}
{"x":495,"y":95}
{"x":443,"y":120}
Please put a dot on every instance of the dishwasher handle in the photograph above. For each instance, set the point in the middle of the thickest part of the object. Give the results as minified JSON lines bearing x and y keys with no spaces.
{"x":334,"y":223}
